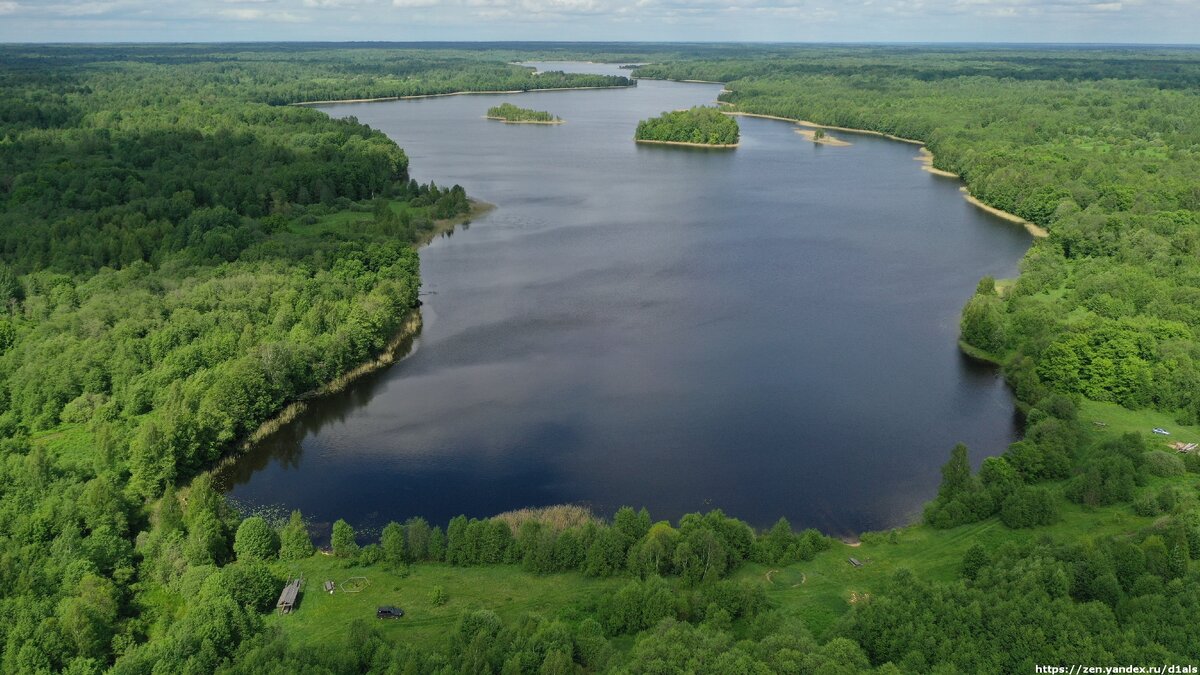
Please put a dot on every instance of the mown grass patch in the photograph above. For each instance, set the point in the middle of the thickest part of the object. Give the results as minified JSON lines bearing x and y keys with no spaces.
{"x":1117,"y":420}
{"x":505,"y":589}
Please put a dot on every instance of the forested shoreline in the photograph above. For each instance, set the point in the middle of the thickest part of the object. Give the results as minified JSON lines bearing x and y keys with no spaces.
{"x":507,"y":112}
{"x":697,"y":126}
{"x":183,"y":253}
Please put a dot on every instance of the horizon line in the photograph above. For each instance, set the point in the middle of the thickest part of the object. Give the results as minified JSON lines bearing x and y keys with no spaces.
{"x":945,"y":43}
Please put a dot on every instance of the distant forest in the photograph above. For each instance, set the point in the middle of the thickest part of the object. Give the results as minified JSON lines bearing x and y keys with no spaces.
{"x":183,"y":252}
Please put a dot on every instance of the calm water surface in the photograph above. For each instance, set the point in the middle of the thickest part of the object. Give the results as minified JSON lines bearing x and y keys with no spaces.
{"x":769,"y":330}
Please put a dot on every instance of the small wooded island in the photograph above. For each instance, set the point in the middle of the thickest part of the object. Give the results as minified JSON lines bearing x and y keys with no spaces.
{"x":699,"y":126}
{"x":511,"y":114}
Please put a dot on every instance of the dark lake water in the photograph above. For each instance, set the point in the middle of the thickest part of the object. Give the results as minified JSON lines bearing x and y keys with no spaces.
{"x":769,"y":330}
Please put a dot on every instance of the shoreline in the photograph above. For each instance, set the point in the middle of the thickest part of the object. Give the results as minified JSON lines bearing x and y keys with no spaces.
{"x":454,"y":93}
{"x":926,"y":160}
{"x":667,"y":79}
{"x":440,"y":227}
{"x":507,"y":121}
{"x":1034,"y":230}
{"x":725,"y":146}
{"x":398,"y":347}
{"x":411,"y":324}
{"x":811,"y":135}
{"x":807,"y":123}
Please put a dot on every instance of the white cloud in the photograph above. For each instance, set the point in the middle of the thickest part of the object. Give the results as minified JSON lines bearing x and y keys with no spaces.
{"x":335,"y":3}
{"x":86,"y":8}
{"x":1019,"y":8}
{"x":255,"y":14}
{"x":8,"y":7}
{"x":243,"y":13}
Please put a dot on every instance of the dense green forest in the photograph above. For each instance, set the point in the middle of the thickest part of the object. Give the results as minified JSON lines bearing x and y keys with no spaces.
{"x":700,"y":126}
{"x":280,"y":76}
{"x":511,"y":113}
{"x":183,"y":254}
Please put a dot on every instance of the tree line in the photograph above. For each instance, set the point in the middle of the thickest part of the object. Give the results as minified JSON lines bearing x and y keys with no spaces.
{"x":512,"y":113}
{"x":700,"y":125}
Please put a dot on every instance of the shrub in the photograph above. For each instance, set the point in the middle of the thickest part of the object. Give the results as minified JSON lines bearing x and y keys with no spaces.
{"x":1160,"y":463}
{"x":1029,"y":507}
{"x":1146,"y":505}
{"x":439,"y":596}
{"x":342,"y":540}
{"x":295,"y":542}
{"x":255,"y":540}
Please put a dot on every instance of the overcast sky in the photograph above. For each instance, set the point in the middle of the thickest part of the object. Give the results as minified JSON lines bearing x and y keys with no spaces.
{"x":1127,"y":21}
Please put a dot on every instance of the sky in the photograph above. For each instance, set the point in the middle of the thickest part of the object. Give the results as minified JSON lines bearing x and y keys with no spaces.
{"x":1056,"y":21}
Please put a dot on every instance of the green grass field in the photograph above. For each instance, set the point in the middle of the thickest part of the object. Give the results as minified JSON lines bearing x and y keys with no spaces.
{"x":818,"y":591}
{"x":504,"y":589}
{"x":821,"y":590}
{"x":1119,"y":420}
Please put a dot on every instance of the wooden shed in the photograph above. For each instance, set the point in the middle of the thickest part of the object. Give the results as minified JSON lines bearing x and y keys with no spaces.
{"x":287,"y":599}
{"x":856,"y":562}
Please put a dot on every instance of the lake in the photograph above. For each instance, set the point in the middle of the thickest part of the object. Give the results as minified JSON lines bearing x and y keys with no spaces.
{"x":769,"y":330}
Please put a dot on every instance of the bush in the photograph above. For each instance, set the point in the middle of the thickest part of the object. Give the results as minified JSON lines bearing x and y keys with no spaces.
{"x":251,"y":584}
{"x":982,"y":323}
{"x":1029,"y":507}
{"x":1168,"y":499}
{"x":294,"y":540}
{"x":255,"y":540}
{"x":342,"y":540}
{"x":369,"y":555}
{"x":1061,"y":406}
{"x":975,"y":559}
{"x":637,"y":606}
{"x":1160,"y":463}
{"x":1107,"y":480}
{"x":1192,"y":462}
{"x":1146,"y":505}
{"x":439,"y":596}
